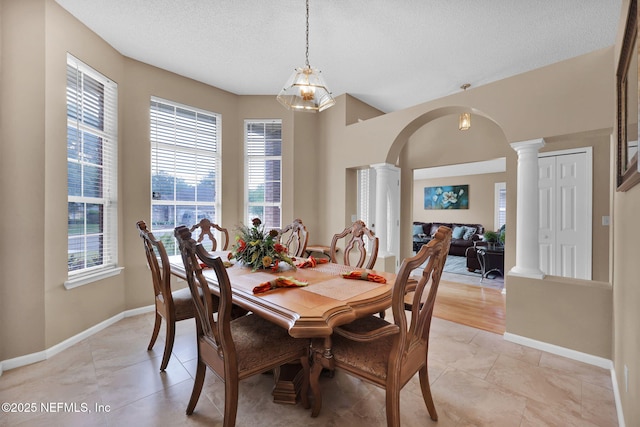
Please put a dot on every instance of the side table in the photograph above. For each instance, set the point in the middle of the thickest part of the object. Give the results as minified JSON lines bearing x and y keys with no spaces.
{"x":490,"y":260}
{"x":419,"y":241}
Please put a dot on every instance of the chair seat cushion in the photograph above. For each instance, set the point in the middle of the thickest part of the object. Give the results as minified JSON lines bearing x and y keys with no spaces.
{"x":183,"y":304}
{"x":184,"y":308}
{"x":371,"y":357}
{"x":259,"y":341}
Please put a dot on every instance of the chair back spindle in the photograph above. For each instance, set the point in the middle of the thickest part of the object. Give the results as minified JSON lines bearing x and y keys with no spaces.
{"x":354,"y":236}
{"x":205,"y":226}
{"x":294,"y":237}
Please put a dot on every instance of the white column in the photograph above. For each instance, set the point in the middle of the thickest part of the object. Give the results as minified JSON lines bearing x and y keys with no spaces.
{"x":527,"y":213}
{"x":386,"y":212}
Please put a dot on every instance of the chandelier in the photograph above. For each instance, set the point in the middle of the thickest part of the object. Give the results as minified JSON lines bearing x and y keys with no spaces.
{"x":465,"y":118}
{"x":306,"y":90}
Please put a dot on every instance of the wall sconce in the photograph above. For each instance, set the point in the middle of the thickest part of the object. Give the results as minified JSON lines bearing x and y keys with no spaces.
{"x":465,"y":118}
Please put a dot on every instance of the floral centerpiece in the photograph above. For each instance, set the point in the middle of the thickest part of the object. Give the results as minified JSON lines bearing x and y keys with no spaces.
{"x":258,"y":249}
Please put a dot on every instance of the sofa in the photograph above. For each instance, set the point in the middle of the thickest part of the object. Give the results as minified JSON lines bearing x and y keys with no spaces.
{"x":463,"y":235}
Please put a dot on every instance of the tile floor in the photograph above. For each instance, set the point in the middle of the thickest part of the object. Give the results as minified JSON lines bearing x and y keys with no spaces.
{"x":477,"y":378}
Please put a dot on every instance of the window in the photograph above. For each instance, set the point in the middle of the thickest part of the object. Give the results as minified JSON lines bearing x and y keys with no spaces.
{"x":364,"y":195}
{"x":185,"y":168}
{"x":92,"y":140}
{"x":263,"y":156}
{"x":500,"y":205}
{"x":365,"y":209}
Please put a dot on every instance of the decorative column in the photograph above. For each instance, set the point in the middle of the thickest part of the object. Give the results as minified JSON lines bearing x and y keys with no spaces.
{"x":527,"y":211}
{"x":386,"y":211}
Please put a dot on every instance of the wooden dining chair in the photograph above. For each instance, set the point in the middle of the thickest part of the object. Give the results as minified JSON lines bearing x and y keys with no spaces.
{"x":389,"y":354}
{"x":294,"y":237}
{"x":173,"y":306}
{"x":354,"y":238}
{"x":205,"y":226}
{"x":233,"y":349}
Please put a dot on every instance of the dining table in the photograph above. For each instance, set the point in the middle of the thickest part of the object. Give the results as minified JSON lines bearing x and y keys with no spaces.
{"x":328,"y":300}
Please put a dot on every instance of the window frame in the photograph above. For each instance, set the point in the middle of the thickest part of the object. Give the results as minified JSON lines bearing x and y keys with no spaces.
{"x":247,"y":160}
{"x":211,"y":156}
{"x":106,"y":153}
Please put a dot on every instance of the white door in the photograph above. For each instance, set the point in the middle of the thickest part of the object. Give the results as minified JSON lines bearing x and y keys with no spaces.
{"x":565,"y":214}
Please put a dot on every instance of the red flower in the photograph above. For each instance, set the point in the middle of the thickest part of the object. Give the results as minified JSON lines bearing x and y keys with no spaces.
{"x":279,"y":248}
{"x":242,"y":244}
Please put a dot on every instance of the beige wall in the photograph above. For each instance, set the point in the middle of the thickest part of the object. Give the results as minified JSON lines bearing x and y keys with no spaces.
{"x":36,"y":310}
{"x":551,"y":103}
{"x":481,"y":200}
{"x":562,"y":312}
{"x":626,"y":285}
{"x":574,"y":97}
{"x":22,"y":178}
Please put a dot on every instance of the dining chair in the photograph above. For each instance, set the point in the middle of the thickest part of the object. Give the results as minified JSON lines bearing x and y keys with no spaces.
{"x":389,"y":354}
{"x":173,"y":306}
{"x":294,"y":237}
{"x":233,"y":349}
{"x":205,"y":226}
{"x":354,"y":236}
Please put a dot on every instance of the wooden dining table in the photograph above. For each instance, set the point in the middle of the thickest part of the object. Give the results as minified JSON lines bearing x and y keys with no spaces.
{"x":312,"y":311}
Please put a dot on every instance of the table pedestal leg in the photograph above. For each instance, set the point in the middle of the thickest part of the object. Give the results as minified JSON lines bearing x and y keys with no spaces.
{"x":321,"y":359}
{"x":288,"y":383}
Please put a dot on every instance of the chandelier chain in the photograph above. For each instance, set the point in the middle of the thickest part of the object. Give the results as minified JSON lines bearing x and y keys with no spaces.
{"x":307,"y":55}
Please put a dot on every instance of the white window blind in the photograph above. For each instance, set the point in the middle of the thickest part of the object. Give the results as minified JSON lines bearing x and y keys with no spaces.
{"x":185,"y":168}
{"x":92,"y":140}
{"x":364,"y":201}
{"x":263,"y":184}
{"x":500,"y":205}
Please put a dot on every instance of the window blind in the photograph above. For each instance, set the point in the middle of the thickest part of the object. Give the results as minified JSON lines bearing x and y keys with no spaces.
{"x":500,"y":205}
{"x":92,"y":101}
{"x":185,"y":167}
{"x":263,"y":184}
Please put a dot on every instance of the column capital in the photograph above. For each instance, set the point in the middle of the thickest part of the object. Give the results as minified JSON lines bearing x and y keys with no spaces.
{"x":532,"y":144}
{"x":388,"y":166}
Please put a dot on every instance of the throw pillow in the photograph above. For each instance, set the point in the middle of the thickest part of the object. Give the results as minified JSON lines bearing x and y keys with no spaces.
{"x":417,"y":229}
{"x":458,"y":232}
{"x":469,"y":232}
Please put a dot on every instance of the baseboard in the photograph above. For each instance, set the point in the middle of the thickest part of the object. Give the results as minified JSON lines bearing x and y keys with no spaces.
{"x":39,"y":356}
{"x":560,"y":351}
{"x":616,"y":395}
{"x":580,"y":357}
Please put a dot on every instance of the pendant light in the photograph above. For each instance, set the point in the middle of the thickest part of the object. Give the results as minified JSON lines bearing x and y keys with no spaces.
{"x":306,"y":90}
{"x":465,"y":118}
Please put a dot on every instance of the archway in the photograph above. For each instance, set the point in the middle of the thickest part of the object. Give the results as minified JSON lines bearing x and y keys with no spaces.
{"x":433,"y":139}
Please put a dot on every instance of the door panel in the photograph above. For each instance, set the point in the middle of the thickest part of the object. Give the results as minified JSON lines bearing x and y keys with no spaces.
{"x":565,"y":216}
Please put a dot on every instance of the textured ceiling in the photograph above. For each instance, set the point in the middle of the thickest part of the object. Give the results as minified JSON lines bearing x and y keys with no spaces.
{"x":390,"y":54}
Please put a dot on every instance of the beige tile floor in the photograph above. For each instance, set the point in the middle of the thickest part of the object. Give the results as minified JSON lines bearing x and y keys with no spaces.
{"x":477,"y":378}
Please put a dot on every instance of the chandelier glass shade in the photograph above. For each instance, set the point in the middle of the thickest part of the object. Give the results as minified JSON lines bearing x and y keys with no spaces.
{"x":465,"y":121}
{"x":306,"y":90}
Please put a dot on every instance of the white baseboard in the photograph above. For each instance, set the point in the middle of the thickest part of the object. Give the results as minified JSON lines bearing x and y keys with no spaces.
{"x":39,"y":356}
{"x":580,"y":357}
{"x":616,"y":395}
{"x":560,"y":351}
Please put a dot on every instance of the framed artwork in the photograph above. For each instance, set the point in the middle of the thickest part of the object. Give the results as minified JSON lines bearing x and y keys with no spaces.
{"x":446,"y":197}
{"x":627,"y":165}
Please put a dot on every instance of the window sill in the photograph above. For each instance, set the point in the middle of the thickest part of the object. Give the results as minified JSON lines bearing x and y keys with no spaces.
{"x":94,"y":276}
